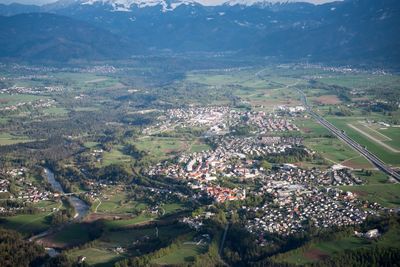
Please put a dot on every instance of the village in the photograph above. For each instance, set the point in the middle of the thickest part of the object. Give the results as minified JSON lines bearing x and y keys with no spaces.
{"x":297,"y":200}
{"x":19,"y":190}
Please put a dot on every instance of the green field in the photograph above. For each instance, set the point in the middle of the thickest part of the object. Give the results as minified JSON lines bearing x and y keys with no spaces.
{"x":159,"y":148}
{"x":72,"y":234}
{"x":310,"y":128}
{"x":119,"y":203}
{"x":129,"y":222}
{"x":98,"y":257}
{"x":184,"y":254}
{"x":103,"y":253}
{"x":8,"y":139}
{"x":115,"y":156}
{"x":377,"y":189}
{"x":387,"y":156}
{"x":388,"y":195}
{"x":316,"y":251}
{"x":27,"y":224}
{"x":363,"y":81}
{"x":55,"y":111}
{"x":336,"y":152}
{"x":12,"y":99}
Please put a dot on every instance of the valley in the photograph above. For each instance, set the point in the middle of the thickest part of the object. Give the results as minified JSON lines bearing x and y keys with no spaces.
{"x":152,"y":171}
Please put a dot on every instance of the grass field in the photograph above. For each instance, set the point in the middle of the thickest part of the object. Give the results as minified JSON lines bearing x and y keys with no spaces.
{"x":55,"y":111}
{"x":72,"y":234}
{"x":114,"y":224}
{"x":387,"y":156}
{"x":115,"y":156}
{"x":12,"y":99}
{"x":27,"y":224}
{"x":119,"y":203}
{"x":310,"y":128}
{"x":317,"y":251}
{"x":98,"y":257}
{"x":159,"y":148}
{"x":8,"y":139}
{"x":388,"y":195}
{"x":183,"y":254}
{"x":332,"y":149}
{"x":336,"y":152}
{"x":102,"y":253}
{"x":363,"y":81}
{"x":377,"y":189}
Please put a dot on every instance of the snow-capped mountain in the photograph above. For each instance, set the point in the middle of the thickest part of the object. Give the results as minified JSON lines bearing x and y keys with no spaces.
{"x":127,"y":5}
{"x":345,"y":30}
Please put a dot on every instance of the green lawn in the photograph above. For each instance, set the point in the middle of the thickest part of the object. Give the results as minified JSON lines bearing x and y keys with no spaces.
{"x":27,"y":224}
{"x":96,"y":256}
{"x":183,"y":254}
{"x":129,"y":222}
{"x":119,"y":203}
{"x":311,"y":128}
{"x":161,"y":147}
{"x":115,"y":156}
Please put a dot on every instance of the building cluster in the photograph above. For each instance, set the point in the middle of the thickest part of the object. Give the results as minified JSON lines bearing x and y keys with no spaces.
{"x":291,"y":111}
{"x":256,"y":146}
{"x":221,"y":120}
{"x":24,"y":191}
{"x":31,"y":90}
{"x":41,"y":103}
{"x":263,"y":122}
{"x":297,"y":202}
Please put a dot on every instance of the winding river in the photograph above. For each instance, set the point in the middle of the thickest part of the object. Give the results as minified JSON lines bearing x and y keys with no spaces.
{"x":81,"y":208}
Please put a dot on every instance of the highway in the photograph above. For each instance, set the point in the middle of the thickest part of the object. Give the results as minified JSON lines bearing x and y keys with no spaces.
{"x":343,"y":136}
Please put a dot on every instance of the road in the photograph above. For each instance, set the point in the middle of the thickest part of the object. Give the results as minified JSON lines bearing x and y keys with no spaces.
{"x":343,"y":136}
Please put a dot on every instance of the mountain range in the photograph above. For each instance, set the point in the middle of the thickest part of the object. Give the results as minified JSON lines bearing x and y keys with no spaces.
{"x":347,"y":31}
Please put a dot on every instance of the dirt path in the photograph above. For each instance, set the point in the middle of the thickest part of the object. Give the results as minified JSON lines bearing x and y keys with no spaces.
{"x":374,"y":139}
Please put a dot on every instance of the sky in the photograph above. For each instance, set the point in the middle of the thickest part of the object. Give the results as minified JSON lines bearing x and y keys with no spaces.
{"x":205,"y":2}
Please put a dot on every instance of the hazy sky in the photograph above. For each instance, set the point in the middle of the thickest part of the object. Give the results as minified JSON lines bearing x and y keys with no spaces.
{"x":207,"y":2}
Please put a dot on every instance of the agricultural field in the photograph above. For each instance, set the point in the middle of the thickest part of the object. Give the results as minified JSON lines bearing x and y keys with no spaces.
{"x":118,"y":203}
{"x":384,"y":151}
{"x":362,"y":81}
{"x":125,"y":223}
{"x":98,"y":257}
{"x":26,"y":224}
{"x":8,"y":139}
{"x":184,"y":254}
{"x":103,"y":251}
{"x":378,"y":189}
{"x":161,"y":148}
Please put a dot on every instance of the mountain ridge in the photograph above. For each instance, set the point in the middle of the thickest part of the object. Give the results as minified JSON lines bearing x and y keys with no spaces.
{"x":342,"y":31}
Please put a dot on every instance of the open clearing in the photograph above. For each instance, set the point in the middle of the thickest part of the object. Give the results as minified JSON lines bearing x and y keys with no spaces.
{"x":376,"y":140}
{"x":388,"y":156}
{"x":183,"y":254}
{"x":328,"y":100}
{"x":313,"y":252}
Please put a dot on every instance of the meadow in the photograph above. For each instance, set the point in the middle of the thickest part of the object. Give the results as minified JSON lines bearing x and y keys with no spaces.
{"x":383,"y":153}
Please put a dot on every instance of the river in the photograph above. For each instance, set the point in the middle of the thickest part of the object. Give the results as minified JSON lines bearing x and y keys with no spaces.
{"x":81,"y":208}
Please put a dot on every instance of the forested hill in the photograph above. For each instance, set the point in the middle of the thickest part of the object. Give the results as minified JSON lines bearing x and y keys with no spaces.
{"x":351,"y":31}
